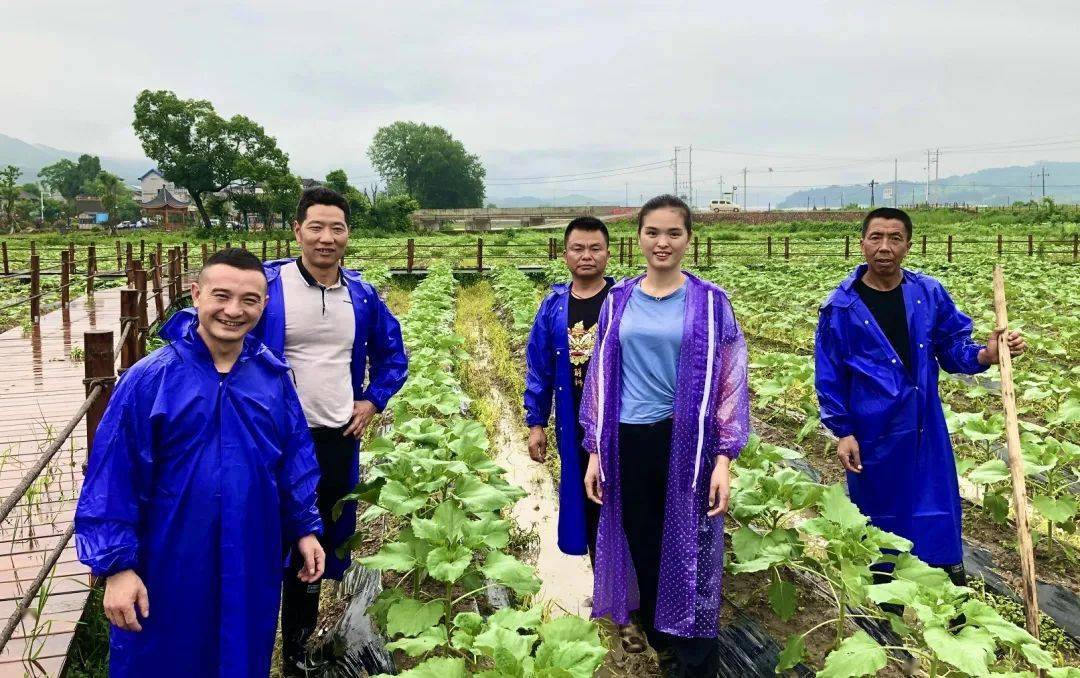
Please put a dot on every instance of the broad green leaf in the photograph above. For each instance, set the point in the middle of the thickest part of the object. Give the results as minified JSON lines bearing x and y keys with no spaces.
{"x":578,"y":658}
{"x":989,"y":472}
{"x":490,"y":531}
{"x":1037,"y":655}
{"x":396,"y":497}
{"x":496,"y":637}
{"x":793,"y":653}
{"x":512,"y":619}
{"x":1055,"y":510}
{"x":782,"y":596}
{"x":568,"y":629}
{"x":427,"y":641}
{"x":1065,"y":672}
{"x":509,"y":571}
{"x":439,"y":667}
{"x":746,"y":543}
{"x":410,"y":617}
{"x":898,"y":591}
{"x":911,"y":568}
{"x":466,"y":626}
{"x":970,"y":650}
{"x":394,"y":556}
{"x":997,"y":504}
{"x":478,"y":496}
{"x":979,"y":613}
{"x":447,"y":564}
{"x":837,"y":508}
{"x":858,"y":655}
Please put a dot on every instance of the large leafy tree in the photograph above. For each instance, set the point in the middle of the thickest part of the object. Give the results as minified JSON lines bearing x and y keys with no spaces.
{"x":359,"y":205}
{"x":109,"y":187}
{"x":198,"y":149}
{"x":72,"y":178}
{"x":426,"y":162}
{"x":281,"y":196}
{"x":9,"y":192}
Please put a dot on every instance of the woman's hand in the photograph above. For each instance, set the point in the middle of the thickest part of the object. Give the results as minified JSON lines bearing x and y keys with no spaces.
{"x":592,"y":480}
{"x":719,"y":486}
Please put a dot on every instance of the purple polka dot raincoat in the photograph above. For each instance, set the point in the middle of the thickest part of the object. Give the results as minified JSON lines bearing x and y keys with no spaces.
{"x":712,"y":416}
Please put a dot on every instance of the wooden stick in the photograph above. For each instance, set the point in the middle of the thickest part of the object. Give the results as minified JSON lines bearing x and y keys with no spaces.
{"x":1016,"y":461}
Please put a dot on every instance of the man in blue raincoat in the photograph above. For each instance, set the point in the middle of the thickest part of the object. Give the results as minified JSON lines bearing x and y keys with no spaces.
{"x":347,"y":357}
{"x":557,"y":359}
{"x":881,"y":337}
{"x":201,"y":477}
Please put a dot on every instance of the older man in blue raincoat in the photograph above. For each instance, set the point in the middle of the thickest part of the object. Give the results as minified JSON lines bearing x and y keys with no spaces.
{"x":882,"y":336}
{"x":557,"y":359}
{"x":201,"y":477}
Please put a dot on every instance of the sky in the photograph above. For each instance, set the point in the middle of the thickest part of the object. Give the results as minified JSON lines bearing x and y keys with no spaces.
{"x":570,"y":97}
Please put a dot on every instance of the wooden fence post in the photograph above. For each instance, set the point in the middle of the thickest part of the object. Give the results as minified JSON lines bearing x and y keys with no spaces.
{"x":768,"y":246}
{"x":71,"y":257}
{"x":410,"y":248}
{"x":98,"y":364}
{"x":950,"y":248}
{"x":288,"y":248}
{"x":264,"y":249}
{"x":924,"y":244}
{"x":205,"y":254}
{"x":33,"y":248}
{"x":787,"y":247}
{"x":847,"y":246}
{"x":119,"y":258}
{"x":1076,"y":246}
{"x":65,"y":279}
{"x":695,"y":251}
{"x":35,"y":288}
{"x":277,"y":249}
{"x":129,"y":317}
{"x":708,"y":251}
{"x":91,"y":268}
{"x":144,"y":321}
{"x":142,"y":249}
{"x":479,"y":255}
{"x":155,"y":279}
{"x":1000,"y":243}
{"x":1031,"y":245}
{"x":127,"y":263}
{"x":7,"y":268}
{"x":187,"y":261}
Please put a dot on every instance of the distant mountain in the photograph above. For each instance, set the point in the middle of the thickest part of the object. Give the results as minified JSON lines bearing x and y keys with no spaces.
{"x":560,"y":201}
{"x":994,"y":186}
{"x":30,"y":158}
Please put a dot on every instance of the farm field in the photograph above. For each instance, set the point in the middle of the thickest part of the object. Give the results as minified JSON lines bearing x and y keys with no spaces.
{"x":467,"y":582}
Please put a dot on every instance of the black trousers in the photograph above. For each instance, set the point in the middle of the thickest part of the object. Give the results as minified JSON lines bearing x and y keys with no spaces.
{"x":300,"y":601}
{"x":644,"y":452}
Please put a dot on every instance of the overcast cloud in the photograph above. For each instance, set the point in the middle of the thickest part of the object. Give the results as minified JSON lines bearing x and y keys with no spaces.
{"x":542,"y":89}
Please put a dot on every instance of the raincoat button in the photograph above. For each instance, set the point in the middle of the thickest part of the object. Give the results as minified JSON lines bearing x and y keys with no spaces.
{"x":920,"y":345}
{"x":866,"y":322}
{"x":894,"y":361}
{"x":918,"y":301}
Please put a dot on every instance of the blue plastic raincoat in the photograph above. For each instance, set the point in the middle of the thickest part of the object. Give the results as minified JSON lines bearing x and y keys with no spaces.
{"x":548,"y":372}
{"x":379,"y":369}
{"x":908,"y":483}
{"x":200,"y":485}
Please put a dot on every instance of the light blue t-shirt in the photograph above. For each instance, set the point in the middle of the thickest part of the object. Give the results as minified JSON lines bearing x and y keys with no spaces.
{"x":650,"y":337}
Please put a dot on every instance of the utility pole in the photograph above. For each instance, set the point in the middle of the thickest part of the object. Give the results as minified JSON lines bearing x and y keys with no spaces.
{"x":895,"y":165}
{"x":626,"y":196}
{"x":744,"y":189}
{"x":721,"y":186}
{"x":928,"y":176}
{"x":41,"y":197}
{"x":937,"y":166}
{"x":691,"y":177}
{"x":676,"y":166}
{"x":872,"y":182}
{"x":1043,"y":174}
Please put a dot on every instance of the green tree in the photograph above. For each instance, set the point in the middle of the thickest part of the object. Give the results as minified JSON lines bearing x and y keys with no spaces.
{"x":359,"y":204}
{"x":338,"y":181}
{"x":199,"y":150}
{"x":70,"y":179}
{"x":246,"y":202}
{"x":9,"y":192}
{"x":428,"y":164}
{"x":108,"y":188}
{"x":282,"y":194}
{"x":219,"y":208}
{"x":390,"y":213}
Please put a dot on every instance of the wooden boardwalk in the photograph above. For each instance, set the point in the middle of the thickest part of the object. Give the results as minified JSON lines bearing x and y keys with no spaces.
{"x":41,"y":387}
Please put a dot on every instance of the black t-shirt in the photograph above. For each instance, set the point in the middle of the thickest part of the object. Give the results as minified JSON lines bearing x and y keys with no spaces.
{"x":891,"y":316}
{"x":581,"y":318}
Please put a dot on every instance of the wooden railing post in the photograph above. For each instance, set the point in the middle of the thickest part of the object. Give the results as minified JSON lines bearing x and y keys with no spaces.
{"x":205,"y":254}
{"x":91,"y":269}
{"x":71,"y":257}
{"x":129,"y":317}
{"x":98,"y":364}
{"x":768,"y":246}
{"x":33,"y":248}
{"x":847,"y":246}
{"x":479,"y":255}
{"x":127,"y":263}
{"x":277,"y":249}
{"x":142,"y":249}
{"x":264,"y":249}
{"x":187,"y":262}
{"x":288,"y":248}
{"x":35,"y":288}
{"x":65,"y":278}
{"x":950,"y":248}
{"x":1000,"y":243}
{"x":1031,"y":245}
{"x":155,"y":279}
{"x":1076,"y":246}
{"x":708,"y":251}
{"x":787,"y":247}
{"x":695,"y":251}
{"x":144,"y":321}
{"x":7,"y":267}
{"x":924,"y":244}
{"x":119,"y":258}
{"x":410,"y":248}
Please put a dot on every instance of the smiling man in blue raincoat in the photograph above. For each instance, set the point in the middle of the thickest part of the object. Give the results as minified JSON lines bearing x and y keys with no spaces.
{"x":882,"y":336}
{"x":347,"y":356}
{"x":201,"y":477}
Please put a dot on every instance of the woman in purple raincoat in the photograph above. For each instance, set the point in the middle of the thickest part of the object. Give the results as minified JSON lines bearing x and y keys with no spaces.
{"x":665,"y":410}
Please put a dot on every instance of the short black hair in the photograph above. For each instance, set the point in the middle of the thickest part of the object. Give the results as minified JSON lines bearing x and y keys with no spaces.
{"x":662,"y":201}
{"x":235,"y":257}
{"x":888,"y":213}
{"x":591,"y":224}
{"x":320,"y":195}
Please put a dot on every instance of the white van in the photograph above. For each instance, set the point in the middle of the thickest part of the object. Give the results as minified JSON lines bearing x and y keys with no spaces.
{"x":723,"y":206}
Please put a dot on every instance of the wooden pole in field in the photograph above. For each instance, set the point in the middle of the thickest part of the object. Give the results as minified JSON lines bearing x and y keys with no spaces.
{"x":1016,"y":461}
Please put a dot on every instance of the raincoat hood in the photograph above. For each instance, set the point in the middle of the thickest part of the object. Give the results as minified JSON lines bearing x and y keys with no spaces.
{"x":181,"y":327}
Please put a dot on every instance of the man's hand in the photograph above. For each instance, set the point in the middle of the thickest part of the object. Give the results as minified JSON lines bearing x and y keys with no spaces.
{"x":592,"y":480}
{"x":123,"y":591}
{"x":314,"y":559}
{"x":362,"y":412}
{"x":538,"y":444}
{"x":990,"y":354}
{"x":848,"y":451}
{"x":719,"y":486}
